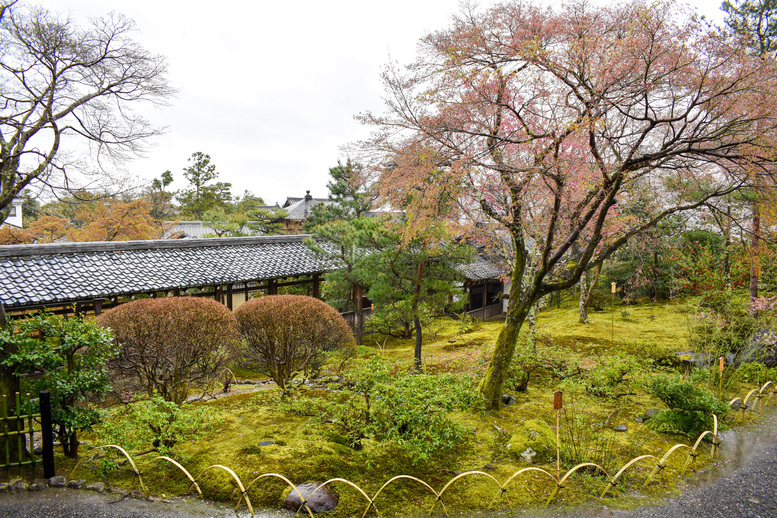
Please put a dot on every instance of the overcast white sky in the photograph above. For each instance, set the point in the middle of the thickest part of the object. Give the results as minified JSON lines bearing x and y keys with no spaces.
{"x":269,"y":89}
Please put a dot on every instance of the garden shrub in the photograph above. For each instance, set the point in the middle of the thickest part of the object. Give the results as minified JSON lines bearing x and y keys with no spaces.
{"x":156,"y":425}
{"x":69,"y":357}
{"x":376,"y":401}
{"x":607,"y":376}
{"x":547,"y":356}
{"x":172,"y":344}
{"x":690,"y":407}
{"x":288,"y":334}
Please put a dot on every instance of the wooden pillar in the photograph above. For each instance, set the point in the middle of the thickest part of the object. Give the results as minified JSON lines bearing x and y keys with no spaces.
{"x":177,"y":292}
{"x":98,"y":306}
{"x":272,"y":287}
{"x":229,"y":296}
{"x":317,"y":286}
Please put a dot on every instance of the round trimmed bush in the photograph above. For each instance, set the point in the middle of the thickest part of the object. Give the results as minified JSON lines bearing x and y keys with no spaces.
{"x":172,"y":344}
{"x":288,"y":334}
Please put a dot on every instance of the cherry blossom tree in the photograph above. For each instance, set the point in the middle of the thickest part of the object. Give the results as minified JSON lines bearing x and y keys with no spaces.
{"x":553,"y":124}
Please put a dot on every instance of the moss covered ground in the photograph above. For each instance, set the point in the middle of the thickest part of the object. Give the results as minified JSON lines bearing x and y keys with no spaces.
{"x":306,"y":451}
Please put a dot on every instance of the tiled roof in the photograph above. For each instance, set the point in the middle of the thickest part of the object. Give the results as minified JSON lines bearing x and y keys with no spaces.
{"x":38,"y":274}
{"x":303,"y":208}
{"x":482,"y":269}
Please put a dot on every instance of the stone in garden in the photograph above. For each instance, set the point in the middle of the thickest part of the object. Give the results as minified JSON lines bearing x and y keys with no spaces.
{"x":97,"y":486}
{"x":266,"y":443}
{"x":17,"y":485}
{"x":118,"y":491}
{"x":651,"y":413}
{"x":508,"y":400}
{"x":528,"y":455}
{"x":57,"y":481}
{"x":325,"y":499}
{"x":620,"y":428}
{"x":38,"y":449}
{"x":534,"y":434}
{"x":3,"y":487}
{"x":489,"y":466}
{"x":76,"y":484}
{"x":138,"y":494}
{"x":39,"y":484}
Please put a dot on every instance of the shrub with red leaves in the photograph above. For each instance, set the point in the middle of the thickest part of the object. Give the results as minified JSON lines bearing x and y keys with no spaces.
{"x":172,"y":344}
{"x":288,"y":334}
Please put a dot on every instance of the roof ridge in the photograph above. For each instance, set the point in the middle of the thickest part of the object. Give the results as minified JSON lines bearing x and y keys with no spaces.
{"x":150,"y":244}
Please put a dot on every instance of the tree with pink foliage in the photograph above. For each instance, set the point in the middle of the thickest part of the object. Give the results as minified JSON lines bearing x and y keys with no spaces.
{"x":557,"y":125}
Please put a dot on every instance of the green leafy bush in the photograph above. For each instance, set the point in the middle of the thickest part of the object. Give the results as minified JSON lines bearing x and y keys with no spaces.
{"x":288,"y":334}
{"x":69,"y":356}
{"x":610,"y":374}
{"x":170,"y":345}
{"x":690,"y":407}
{"x":756,"y":373}
{"x":547,"y":357}
{"x":410,"y":411}
{"x":156,"y":425}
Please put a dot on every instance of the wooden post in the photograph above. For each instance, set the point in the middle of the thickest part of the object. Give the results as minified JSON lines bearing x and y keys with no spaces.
{"x":229,"y":297}
{"x":47,"y":434}
{"x":98,"y":306}
{"x":721,"y":366}
{"x":272,"y":287}
{"x":316,"y":286}
{"x":558,"y":403}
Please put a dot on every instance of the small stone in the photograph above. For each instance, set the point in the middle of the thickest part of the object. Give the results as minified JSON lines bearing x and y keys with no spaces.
{"x":620,"y":428}
{"x":118,"y":491}
{"x":17,"y":485}
{"x":76,"y":484}
{"x":3,"y":487}
{"x":650,"y":414}
{"x":155,"y":499}
{"x":57,"y":481}
{"x":489,"y":466}
{"x":38,"y":449}
{"x":528,"y":455}
{"x":508,"y":400}
{"x":39,"y":484}
{"x":97,"y":486}
{"x":639,"y":419}
{"x":266,"y":443}
{"x":324,"y":499}
{"x":138,"y":495}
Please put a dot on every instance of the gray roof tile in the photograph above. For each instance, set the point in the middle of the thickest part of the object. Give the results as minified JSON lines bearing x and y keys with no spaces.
{"x":38,"y":274}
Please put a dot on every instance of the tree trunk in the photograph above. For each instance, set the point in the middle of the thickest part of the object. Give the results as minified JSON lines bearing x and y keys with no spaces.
{"x":517,"y":311}
{"x":583,"y":297}
{"x":586,"y":292}
{"x":727,"y":252}
{"x":532,"y":318}
{"x":358,"y":294}
{"x":755,"y":259}
{"x":418,"y":341}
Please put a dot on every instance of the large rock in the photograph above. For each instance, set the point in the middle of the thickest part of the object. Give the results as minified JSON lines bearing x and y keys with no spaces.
{"x":536,"y":435}
{"x":325,"y":499}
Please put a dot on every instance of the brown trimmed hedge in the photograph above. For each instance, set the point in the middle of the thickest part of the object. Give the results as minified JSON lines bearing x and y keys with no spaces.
{"x":287,"y":334}
{"x":171,"y":345}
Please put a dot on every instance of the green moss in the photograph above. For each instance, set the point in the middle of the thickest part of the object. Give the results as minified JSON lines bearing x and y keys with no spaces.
{"x":305,"y":451}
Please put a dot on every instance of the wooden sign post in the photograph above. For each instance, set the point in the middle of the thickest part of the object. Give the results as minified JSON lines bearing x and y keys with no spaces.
{"x":721,"y":366}
{"x":558,"y":403}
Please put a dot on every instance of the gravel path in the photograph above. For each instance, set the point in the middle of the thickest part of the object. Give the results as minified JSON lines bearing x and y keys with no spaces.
{"x":743,"y":486}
